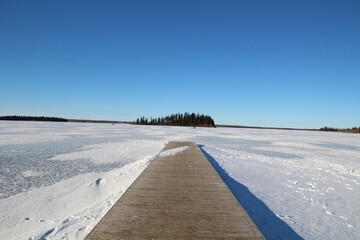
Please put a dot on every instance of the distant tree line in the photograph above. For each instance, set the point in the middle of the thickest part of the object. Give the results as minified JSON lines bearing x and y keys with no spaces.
{"x":356,"y":129}
{"x":179,"y":119}
{"x":31,"y":118}
{"x":329,"y":129}
{"x":353,"y":130}
{"x":348,"y":130}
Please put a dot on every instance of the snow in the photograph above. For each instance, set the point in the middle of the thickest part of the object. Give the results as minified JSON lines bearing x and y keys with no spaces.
{"x":58,"y":179}
{"x":172,"y":152}
{"x":109,"y":152}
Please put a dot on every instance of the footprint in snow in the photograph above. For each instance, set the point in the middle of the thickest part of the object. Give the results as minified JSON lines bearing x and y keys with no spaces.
{"x":82,"y":231}
{"x":100,"y":181}
{"x":66,"y":221}
{"x":47,"y":233}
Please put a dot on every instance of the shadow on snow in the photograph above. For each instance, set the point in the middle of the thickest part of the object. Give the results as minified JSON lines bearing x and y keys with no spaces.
{"x":271,"y":226}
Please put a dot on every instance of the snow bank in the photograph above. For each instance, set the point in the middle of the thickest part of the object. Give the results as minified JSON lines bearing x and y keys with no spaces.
{"x":68,"y":209}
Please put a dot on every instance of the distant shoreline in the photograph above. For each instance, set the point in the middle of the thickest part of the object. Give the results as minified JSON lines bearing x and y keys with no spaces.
{"x":274,"y":128}
{"x":51,"y":119}
{"x":340,"y":130}
{"x":97,"y":121}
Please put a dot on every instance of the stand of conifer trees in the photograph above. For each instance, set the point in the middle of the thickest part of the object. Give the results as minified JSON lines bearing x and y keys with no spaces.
{"x":329,"y":129}
{"x":179,"y":119}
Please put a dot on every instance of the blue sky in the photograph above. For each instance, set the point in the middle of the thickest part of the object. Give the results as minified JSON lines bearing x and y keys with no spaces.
{"x":258,"y":63}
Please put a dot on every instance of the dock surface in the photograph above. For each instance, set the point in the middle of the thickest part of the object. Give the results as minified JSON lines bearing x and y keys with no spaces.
{"x":178,"y":196}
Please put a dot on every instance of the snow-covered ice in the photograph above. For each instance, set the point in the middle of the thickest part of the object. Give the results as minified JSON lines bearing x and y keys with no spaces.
{"x":58,"y":179}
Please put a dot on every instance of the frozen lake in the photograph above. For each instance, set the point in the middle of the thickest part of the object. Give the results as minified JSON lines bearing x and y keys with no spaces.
{"x":58,"y":179}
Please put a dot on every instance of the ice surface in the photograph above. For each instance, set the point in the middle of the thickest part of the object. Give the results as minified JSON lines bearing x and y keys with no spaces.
{"x":58,"y":179}
{"x":18,"y":160}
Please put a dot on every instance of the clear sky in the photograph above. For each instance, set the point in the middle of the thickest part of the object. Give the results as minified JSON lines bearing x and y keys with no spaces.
{"x":259,"y":63}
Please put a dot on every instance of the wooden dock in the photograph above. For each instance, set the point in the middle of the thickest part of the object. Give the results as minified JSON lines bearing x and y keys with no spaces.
{"x":178,"y":196}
